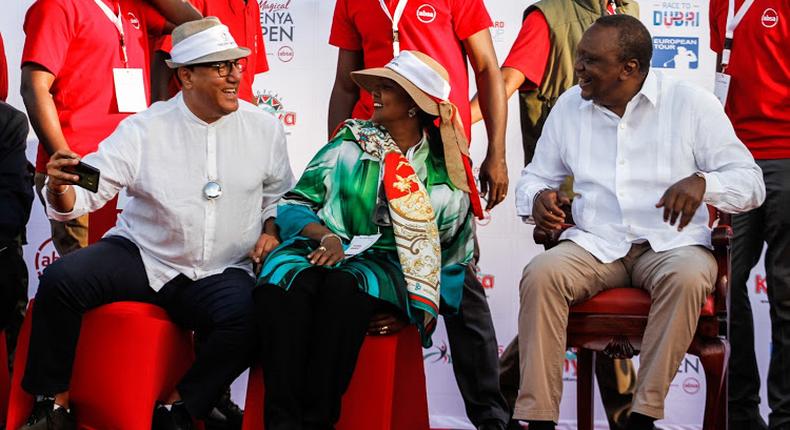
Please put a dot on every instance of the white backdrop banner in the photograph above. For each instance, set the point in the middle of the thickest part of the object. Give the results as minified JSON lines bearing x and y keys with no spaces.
{"x":297,"y":90}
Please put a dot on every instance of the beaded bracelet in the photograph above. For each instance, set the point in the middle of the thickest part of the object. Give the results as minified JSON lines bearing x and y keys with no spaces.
{"x":327,"y":236}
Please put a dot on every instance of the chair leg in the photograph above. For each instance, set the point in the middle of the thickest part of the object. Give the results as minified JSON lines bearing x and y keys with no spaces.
{"x":585,"y":379}
{"x":713,"y":353}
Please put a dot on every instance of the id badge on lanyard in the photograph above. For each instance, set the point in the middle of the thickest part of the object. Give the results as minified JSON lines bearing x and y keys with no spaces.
{"x":721,"y":87}
{"x":394,"y":19}
{"x":129,"y":82}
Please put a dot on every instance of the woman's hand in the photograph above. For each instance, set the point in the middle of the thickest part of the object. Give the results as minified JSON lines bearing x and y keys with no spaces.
{"x":385,"y":323}
{"x":328,"y":253}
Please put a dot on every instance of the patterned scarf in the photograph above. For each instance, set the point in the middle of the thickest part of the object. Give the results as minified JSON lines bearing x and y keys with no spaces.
{"x":412,"y":217}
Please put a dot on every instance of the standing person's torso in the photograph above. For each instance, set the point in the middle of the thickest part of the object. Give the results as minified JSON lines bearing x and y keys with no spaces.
{"x":434,"y":27}
{"x":78,"y":43}
{"x":758,"y":103}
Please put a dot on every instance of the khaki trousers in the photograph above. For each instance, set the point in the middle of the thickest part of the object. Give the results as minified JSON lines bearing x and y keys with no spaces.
{"x":66,"y":236}
{"x":678,"y":281}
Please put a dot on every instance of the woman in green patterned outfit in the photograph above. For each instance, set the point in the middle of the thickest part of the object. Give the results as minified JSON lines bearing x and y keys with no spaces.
{"x":381,"y":218}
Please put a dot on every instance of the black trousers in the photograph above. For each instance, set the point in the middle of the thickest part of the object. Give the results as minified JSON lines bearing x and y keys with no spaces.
{"x":111,"y":270}
{"x":310,"y":339}
{"x":475,"y":353}
{"x":768,"y":224}
{"x":13,"y":292}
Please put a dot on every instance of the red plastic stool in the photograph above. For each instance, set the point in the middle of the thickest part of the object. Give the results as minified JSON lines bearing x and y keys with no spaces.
{"x":129,"y":355}
{"x":387,"y":391}
{"x":5,"y":378}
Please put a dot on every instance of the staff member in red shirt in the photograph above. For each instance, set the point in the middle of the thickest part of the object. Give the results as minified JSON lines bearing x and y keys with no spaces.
{"x":3,"y":72}
{"x":758,"y":104}
{"x":243,"y":18}
{"x":73,"y":53}
{"x":368,"y":33}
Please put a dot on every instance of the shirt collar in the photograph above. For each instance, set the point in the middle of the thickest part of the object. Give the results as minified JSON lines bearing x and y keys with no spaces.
{"x":649,"y":90}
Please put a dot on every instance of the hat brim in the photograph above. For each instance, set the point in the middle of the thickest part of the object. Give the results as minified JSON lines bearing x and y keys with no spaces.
{"x":228,"y":54}
{"x":368,"y":78}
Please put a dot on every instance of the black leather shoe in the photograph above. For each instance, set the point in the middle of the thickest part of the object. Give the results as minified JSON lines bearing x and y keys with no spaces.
{"x":226,"y":416}
{"x":177,"y":418}
{"x":44,"y":417}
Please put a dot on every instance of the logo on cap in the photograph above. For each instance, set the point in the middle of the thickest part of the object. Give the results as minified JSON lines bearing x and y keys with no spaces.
{"x":426,"y":13}
{"x":133,"y":20}
{"x":770,"y":18}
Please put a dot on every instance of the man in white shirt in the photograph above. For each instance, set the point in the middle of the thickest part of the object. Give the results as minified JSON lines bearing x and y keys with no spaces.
{"x":203,"y":173}
{"x":645,"y":152}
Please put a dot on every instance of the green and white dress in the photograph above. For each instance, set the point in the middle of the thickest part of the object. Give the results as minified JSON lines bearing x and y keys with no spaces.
{"x":339,"y":189}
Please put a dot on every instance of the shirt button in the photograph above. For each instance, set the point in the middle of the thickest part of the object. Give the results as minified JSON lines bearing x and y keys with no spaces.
{"x":620,"y":194}
{"x":622,"y":126}
{"x":621,"y":161}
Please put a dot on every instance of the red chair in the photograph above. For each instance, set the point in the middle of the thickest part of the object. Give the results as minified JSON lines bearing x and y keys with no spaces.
{"x":5,"y":378}
{"x":387,"y":391}
{"x":614,"y":321}
{"x":129,"y":355}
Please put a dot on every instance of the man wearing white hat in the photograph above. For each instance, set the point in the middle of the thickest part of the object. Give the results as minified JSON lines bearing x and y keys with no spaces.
{"x":203,"y":172}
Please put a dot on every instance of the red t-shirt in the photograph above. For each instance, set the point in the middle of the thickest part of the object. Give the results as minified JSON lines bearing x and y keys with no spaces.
{"x":244,"y":22}
{"x":758,"y":103}
{"x":434,"y":27}
{"x":79,"y":44}
{"x":3,"y":72}
{"x":530,"y":51}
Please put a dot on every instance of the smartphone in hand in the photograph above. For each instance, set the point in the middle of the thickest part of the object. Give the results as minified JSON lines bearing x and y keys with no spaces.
{"x":89,"y":176}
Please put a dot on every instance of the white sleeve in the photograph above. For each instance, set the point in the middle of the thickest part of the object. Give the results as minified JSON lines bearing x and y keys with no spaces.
{"x":117,"y":159}
{"x":547,"y":169}
{"x":281,"y":179}
{"x":734,"y":182}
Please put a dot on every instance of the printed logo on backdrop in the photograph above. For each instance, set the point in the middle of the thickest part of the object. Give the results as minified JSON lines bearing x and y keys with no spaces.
{"x":271,"y":102}
{"x":45,"y":255}
{"x":486,"y":279}
{"x":570,"y":366}
{"x":761,"y":287}
{"x":669,"y":14}
{"x":679,"y":53}
{"x":277,"y":25}
{"x":498,"y":32}
{"x":426,"y":13}
{"x":688,"y":376}
{"x":438,"y":353}
{"x":770,"y":18}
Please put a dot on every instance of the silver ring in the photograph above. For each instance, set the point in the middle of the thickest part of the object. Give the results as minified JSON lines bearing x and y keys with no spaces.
{"x":322,"y":248}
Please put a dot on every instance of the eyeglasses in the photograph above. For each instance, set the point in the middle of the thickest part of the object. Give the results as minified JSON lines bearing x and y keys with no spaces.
{"x":224,"y":68}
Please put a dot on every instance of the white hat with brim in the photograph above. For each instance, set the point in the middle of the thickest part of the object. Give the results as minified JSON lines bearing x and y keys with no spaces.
{"x":203,"y":41}
{"x":427,"y":82}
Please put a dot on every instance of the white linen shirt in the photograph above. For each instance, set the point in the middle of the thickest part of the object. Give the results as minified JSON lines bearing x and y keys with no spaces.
{"x":163,"y":157}
{"x":622,"y":166}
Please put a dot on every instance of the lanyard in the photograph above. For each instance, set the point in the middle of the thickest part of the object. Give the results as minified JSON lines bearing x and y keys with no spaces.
{"x":395,"y":20}
{"x":733,"y":19}
{"x":118,"y":22}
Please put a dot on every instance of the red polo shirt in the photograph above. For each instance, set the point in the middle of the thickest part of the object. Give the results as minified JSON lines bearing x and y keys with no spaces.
{"x":3,"y":72}
{"x":79,"y":44}
{"x":434,"y":27}
{"x":244,"y":22}
{"x":758,"y":103}
{"x":530,"y":51}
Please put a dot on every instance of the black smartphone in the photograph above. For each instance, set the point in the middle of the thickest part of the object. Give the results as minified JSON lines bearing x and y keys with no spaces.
{"x":89,"y":176}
